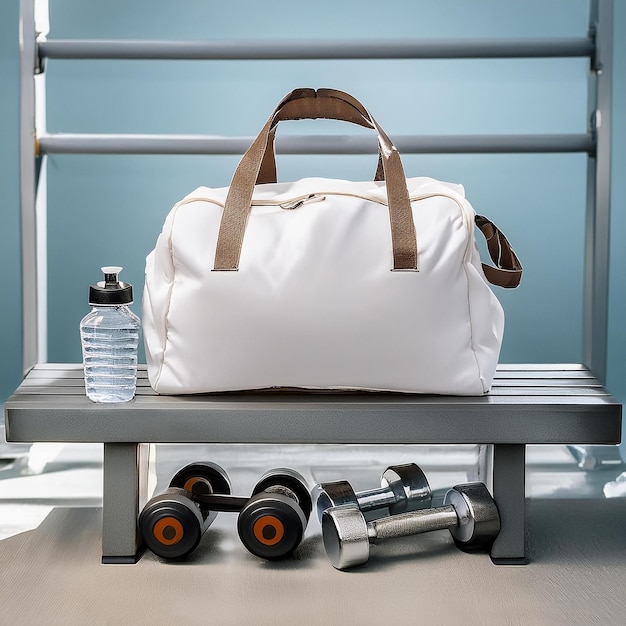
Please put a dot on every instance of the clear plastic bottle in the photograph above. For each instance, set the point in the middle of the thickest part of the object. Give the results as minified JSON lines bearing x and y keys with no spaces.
{"x":109,"y":337}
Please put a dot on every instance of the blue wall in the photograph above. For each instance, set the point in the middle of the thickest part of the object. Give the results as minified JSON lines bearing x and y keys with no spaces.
{"x":109,"y":210}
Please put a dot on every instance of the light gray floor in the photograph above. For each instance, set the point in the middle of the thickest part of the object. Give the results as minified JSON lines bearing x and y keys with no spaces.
{"x":50,"y":526}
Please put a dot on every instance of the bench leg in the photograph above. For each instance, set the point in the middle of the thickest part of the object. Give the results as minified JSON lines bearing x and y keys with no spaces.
{"x":125,"y":491}
{"x":509,"y":492}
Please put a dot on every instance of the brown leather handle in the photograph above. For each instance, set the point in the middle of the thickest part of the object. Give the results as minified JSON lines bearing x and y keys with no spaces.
{"x":508,"y":270}
{"x":315,"y":104}
{"x":322,"y":104}
{"x":303,"y":106}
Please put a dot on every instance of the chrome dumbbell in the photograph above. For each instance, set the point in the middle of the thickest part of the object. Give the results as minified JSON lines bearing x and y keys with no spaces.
{"x":469,"y":513}
{"x":172,"y":523}
{"x":403,"y":488}
{"x":271,"y":524}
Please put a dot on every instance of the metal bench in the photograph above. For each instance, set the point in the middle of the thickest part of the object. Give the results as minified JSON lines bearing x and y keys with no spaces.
{"x":529,"y":404}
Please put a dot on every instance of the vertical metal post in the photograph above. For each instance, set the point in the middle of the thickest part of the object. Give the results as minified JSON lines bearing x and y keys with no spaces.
{"x":28,"y":182}
{"x":33,"y":23}
{"x":125,"y":491}
{"x":596,"y":287}
{"x":509,"y":491}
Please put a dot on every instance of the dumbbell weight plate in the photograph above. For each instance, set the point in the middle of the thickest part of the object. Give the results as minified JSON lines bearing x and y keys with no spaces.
{"x":478,"y":514}
{"x":344,"y":533}
{"x":271,"y":525}
{"x":410,"y":485}
{"x":203,"y":478}
{"x":402,"y":488}
{"x":284,"y":480}
{"x":341,"y":493}
{"x":171,"y":524}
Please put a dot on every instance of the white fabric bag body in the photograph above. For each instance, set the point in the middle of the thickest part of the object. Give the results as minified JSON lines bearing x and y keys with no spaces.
{"x":312,"y":296}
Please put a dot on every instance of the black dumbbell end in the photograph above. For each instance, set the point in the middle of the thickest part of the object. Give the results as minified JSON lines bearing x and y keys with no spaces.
{"x":171,"y":527}
{"x":202,"y":478}
{"x":290,"y":483}
{"x":271,"y":526}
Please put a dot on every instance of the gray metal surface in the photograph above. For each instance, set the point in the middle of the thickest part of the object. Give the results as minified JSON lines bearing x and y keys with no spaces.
{"x":125,"y":491}
{"x":323,"y":49}
{"x":83,"y":143}
{"x":509,"y":491}
{"x":597,"y":227}
{"x":28,"y":182}
{"x":528,"y":404}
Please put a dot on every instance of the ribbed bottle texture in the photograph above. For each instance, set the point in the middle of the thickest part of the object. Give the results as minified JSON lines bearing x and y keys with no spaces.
{"x":109,"y":337}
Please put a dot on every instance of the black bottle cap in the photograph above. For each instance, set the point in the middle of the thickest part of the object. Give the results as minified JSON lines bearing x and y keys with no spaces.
{"x":110,"y":291}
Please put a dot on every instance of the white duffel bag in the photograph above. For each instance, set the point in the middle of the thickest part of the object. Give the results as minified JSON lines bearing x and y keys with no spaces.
{"x":324,"y":283}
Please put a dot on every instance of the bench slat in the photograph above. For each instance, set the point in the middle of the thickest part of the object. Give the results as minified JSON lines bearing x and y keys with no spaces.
{"x":534,"y":403}
{"x":513,"y":390}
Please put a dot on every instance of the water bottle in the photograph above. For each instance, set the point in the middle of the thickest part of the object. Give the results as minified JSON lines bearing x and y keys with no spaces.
{"x":109,"y":337}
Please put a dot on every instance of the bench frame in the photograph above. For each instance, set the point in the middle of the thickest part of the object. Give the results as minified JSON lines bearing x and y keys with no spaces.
{"x":529,"y":404}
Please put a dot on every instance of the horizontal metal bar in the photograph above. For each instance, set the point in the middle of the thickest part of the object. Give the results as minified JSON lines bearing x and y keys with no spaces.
{"x":71,"y":143}
{"x":319,"y":49}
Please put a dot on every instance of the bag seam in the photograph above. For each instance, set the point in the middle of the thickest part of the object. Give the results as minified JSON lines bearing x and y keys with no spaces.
{"x":171,"y":290}
{"x":469,"y":229}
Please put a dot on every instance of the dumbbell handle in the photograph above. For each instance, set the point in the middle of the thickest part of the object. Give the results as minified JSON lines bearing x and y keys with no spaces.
{"x":221,"y":503}
{"x":375,"y":498}
{"x":366,"y":500}
{"x":412,"y":523}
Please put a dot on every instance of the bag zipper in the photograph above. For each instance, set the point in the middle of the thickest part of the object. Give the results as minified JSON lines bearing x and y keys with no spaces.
{"x":299,"y":201}
{"x":296,"y":204}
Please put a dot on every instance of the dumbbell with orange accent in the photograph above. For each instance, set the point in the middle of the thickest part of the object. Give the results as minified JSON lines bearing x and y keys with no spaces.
{"x":172,"y":523}
{"x":271,"y":523}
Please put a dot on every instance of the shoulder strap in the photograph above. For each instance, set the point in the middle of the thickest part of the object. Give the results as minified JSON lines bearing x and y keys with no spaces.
{"x":508,"y":270}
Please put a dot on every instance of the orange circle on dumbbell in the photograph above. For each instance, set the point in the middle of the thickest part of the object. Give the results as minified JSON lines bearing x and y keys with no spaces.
{"x":168,"y":531}
{"x":193,"y":482}
{"x":263,"y":524}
